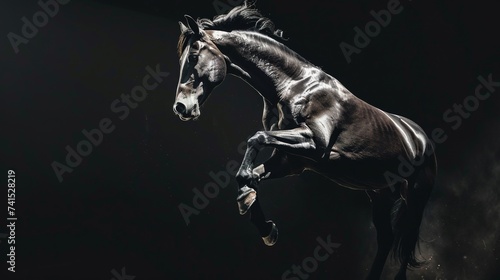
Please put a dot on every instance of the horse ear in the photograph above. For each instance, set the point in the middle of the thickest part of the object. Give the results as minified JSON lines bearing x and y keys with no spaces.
{"x":192,"y":24}
{"x":249,"y":3}
{"x":184,"y":29}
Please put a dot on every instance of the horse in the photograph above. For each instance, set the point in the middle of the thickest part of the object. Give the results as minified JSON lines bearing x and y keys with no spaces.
{"x":321,"y":127}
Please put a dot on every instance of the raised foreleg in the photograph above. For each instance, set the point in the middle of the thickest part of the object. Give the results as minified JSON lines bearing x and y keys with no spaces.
{"x":278,"y":165}
{"x":298,"y":141}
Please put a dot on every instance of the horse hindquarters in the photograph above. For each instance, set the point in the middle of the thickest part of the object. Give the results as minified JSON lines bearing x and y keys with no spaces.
{"x":407,"y":216}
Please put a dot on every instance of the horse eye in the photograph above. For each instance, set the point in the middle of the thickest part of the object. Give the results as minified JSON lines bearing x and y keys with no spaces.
{"x":193,"y":58}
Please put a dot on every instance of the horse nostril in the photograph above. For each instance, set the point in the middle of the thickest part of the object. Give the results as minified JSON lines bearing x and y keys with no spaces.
{"x":180,"y":108}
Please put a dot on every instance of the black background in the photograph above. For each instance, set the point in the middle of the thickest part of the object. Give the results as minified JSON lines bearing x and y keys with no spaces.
{"x":119,"y":207}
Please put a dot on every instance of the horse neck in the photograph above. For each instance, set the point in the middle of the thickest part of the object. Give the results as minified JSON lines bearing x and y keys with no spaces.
{"x":264,"y":63}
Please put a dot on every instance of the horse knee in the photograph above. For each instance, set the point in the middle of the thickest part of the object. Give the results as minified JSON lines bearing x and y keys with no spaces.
{"x":258,"y":138}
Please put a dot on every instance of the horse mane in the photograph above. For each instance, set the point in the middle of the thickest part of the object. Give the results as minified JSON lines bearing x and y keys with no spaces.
{"x":244,"y":17}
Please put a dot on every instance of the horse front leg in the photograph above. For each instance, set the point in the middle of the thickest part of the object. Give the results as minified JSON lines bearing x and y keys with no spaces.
{"x":298,"y":141}
{"x":267,"y":228}
{"x":278,"y":165}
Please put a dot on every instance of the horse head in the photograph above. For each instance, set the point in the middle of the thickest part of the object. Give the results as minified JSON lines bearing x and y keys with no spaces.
{"x":202,"y":68}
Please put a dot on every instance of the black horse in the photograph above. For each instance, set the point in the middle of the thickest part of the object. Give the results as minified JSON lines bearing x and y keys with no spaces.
{"x":322,"y":127}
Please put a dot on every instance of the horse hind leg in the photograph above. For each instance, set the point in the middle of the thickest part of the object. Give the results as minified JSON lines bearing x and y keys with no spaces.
{"x":407,"y":227}
{"x":381,"y":210}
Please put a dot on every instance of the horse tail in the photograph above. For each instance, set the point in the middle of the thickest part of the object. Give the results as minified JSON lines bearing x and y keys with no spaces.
{"x":406,"y":216}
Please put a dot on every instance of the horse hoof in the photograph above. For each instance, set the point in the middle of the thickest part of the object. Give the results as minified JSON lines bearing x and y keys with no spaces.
{"x":246,"y":199}
{"x":271,"y":239}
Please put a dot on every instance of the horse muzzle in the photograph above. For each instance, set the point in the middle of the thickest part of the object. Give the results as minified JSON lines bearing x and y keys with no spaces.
{"x":186,"y":114}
